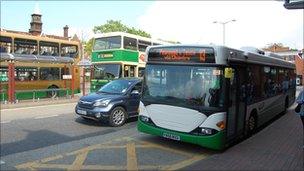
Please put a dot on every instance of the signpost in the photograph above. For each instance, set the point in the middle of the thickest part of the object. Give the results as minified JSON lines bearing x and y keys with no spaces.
{"x":84,"y":63}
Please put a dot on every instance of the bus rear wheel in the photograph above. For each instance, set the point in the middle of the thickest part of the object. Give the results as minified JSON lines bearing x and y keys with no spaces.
{"x":251,"y":125}
{"x":286,"y":105}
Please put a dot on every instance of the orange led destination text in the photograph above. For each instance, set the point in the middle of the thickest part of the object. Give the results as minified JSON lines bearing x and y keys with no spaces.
{"x":183,"y":56}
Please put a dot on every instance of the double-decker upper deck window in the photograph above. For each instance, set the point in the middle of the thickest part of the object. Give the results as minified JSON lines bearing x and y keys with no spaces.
{"x":154,"y":44}
{"x":25,"y":46}
{"x":69,"y":50}
{"x":6,"y":44}
{"x":107,"y":43}
{"x":142,"y":45}
{"x":49,"y":48}
{"x":130,"y":43}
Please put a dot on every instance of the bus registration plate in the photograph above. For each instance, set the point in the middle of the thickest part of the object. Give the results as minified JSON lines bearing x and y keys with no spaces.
{"x":82,"y":112}
{"x":171,"y":136}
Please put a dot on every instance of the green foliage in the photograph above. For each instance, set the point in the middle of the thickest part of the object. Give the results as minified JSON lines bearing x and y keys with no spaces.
{"x":89,"y":46}
{"x":117,"y":26}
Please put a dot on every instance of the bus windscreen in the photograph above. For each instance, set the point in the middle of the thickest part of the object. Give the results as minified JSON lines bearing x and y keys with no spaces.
{"x":182,"y":54}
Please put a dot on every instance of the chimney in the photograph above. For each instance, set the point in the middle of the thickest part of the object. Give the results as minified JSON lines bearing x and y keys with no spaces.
{"x":66,"y":31}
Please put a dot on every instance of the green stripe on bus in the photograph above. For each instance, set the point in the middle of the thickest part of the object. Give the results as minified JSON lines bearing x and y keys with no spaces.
{"x":118,"y":55}
{"x":216,"y":141}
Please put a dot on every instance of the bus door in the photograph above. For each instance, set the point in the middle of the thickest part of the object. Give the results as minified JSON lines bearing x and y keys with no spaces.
{"x":236,"y":104}
{"x":129,"y":71}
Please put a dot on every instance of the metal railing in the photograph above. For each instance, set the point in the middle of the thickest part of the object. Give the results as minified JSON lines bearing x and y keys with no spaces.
{"x":50,"y":93}
{"x":53,"y":97}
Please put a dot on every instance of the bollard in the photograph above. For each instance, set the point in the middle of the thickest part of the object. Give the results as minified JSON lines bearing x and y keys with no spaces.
{"x":34,"y":95}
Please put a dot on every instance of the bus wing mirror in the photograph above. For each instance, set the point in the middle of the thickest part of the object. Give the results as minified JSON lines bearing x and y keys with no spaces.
{"x":135,"y":93}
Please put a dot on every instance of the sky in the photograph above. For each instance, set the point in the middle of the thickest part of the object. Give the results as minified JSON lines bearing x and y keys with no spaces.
{"x":258,"y":23}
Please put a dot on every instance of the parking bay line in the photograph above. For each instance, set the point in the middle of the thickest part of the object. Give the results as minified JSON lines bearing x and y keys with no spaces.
{"x":131,"y":157}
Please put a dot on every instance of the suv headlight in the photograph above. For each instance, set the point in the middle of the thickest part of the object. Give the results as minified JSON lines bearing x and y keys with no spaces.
{"x":102,"y":103}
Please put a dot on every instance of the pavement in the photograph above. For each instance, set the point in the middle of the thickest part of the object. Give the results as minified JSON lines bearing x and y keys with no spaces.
{"x":41,"y":102}
{"x":278,"y":146}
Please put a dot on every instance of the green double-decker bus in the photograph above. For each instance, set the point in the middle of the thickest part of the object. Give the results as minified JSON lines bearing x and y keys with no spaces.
{"x":116,"y":55}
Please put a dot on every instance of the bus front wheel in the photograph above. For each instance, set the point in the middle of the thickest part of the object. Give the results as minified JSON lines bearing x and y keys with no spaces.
{"x":52,"y":93}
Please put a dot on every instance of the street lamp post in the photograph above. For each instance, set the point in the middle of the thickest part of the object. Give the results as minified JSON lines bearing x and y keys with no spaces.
{"x":224,"y":23}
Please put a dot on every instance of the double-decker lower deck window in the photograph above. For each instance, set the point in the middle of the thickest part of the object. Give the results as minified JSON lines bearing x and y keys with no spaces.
{"x":26,"y":74}
{"x":49,"y":74}
{"x":106,"y":71}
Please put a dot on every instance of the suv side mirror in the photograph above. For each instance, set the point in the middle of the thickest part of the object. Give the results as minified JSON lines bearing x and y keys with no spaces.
{"x":135,"y":93}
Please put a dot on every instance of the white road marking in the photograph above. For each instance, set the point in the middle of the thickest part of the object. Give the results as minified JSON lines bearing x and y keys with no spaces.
{"x":2,"y":162}
{"x":32,"y":107}
{"x":41,"y":117}
{"x":3,"y":122}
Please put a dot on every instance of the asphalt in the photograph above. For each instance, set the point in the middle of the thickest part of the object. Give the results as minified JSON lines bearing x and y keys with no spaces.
{"x":278,"y":146}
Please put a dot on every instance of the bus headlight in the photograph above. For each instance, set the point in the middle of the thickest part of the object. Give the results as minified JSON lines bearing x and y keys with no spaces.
{"x":144,"y":118}
{"x":102,"y":103}
{"x":206,"y":131}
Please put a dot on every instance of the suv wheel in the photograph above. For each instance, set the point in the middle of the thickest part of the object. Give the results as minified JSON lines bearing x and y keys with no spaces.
{"x":117,"y":117}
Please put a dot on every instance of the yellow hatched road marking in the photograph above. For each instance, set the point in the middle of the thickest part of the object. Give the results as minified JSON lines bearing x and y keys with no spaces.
{"x":103,"y":167}
{"x":149,"y":144}
{"x":184,"y":163}
{"x":51,"y":158}
{"x":131,"y":157}
{"x":99,"y":146}
{"x":78,"y":162}
{"x":50,"y":166}
{"x":132,"y":164}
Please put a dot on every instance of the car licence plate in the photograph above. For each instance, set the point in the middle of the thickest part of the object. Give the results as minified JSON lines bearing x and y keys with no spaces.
{"x":82,"y":112}
{"x":171,"y":136}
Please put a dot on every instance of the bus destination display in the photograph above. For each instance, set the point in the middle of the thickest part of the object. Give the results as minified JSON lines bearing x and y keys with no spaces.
{"x":182,"y":54}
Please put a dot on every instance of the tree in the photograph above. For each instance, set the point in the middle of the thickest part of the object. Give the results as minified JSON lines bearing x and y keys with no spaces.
{"x":117,"y":26}
{"x":89,"y":46}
